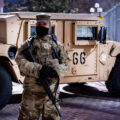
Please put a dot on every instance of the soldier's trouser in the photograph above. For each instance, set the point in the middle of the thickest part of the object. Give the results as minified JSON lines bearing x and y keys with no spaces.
{"x":35,"y":104}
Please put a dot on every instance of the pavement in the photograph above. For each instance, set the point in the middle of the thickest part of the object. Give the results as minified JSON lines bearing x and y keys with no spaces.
{"x":82,"y":102}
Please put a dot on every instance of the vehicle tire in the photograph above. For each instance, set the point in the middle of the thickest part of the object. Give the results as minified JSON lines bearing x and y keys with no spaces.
{"x":5,"y":87}
{"x":113,"y":82}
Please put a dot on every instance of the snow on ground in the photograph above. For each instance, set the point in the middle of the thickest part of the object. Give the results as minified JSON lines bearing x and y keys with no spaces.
{"x":18,"y":88}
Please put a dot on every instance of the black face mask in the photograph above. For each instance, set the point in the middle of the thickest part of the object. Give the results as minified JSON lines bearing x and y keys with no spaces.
{"x":41,"y":31}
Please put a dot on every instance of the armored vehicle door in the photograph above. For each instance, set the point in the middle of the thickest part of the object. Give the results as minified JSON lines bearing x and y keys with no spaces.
{"x":80,"y":38}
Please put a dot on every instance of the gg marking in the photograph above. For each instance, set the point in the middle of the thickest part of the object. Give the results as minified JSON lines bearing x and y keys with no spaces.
{"x":79,"y":58}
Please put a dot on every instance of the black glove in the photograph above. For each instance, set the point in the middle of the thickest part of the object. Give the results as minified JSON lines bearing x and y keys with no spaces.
{"x":47,"y":71}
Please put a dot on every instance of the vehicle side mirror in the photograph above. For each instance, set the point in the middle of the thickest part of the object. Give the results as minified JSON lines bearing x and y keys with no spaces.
{"x":102,"y":35}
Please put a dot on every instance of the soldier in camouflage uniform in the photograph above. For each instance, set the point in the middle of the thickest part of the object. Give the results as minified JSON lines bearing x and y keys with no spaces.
{"x":35,"y":101}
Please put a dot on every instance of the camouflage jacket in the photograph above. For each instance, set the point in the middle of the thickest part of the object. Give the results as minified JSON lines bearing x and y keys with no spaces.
{"x":42,"y":51}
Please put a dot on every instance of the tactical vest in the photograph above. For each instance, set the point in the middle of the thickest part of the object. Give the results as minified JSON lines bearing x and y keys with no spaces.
{"x":45,"y":50}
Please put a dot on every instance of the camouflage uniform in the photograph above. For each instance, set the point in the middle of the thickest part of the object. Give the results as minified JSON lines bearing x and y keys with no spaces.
{"x":35,"y":100}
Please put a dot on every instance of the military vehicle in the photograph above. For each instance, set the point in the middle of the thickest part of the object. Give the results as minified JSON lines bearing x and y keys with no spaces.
{"x":92,"y":57}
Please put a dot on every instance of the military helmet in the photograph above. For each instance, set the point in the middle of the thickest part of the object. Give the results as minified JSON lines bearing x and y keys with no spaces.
{"x":43,"y":17}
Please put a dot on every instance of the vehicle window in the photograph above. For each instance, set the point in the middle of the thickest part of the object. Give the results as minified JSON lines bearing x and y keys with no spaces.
{"x":33,"y":30}
{"x":86,"y":33}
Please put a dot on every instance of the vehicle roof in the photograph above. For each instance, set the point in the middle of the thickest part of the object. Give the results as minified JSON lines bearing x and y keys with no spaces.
{"x":6,"y":16}
{"x":55,"y":16}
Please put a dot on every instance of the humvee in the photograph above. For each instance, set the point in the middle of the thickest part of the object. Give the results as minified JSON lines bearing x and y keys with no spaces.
{"x":92,"y":57}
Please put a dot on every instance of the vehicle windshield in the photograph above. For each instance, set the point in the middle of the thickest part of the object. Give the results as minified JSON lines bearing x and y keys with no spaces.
{"x":33,"y":30}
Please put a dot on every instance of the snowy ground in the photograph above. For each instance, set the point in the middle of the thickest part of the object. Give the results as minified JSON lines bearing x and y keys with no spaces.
{"x":18,"y":88}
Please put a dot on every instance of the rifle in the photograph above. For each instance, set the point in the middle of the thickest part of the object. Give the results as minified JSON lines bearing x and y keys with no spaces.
{"x":28,"y":54}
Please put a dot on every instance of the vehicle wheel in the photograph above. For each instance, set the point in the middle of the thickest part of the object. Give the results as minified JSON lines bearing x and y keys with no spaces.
{"x":5,"y":87}
{"x":113,"y":82}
